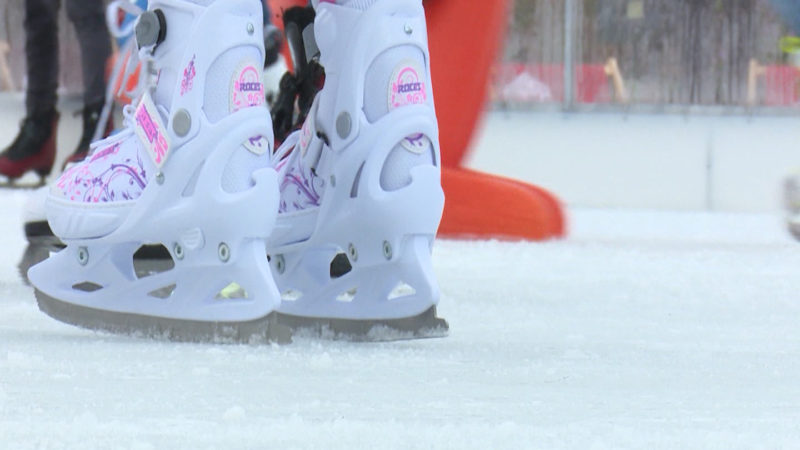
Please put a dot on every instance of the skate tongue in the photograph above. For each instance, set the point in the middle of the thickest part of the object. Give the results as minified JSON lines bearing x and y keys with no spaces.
{"x":151,"y":130}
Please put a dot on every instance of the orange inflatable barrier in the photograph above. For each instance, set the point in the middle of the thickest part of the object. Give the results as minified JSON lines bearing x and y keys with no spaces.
{"x":479,"y":205}
{"x":464,"y":39}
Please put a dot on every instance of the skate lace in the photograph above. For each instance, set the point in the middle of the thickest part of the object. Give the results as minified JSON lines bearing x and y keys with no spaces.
{"x":143,"y":56}
{"x":129,"y":111}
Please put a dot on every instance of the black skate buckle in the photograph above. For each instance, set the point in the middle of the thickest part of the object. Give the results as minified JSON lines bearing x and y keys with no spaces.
{"x":151,"y":29}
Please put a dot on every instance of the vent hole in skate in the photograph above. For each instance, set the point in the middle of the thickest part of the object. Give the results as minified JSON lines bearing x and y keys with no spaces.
{"x":233,"y":291}
{"x":402,"y":289}
{"x":151,"y":260}
{"x":163,"y":293}
{"x":354,"y":189}
{"x":340,"y":266}
{"x":396,"y":171}
{"x":291,"y":295}
{"x":347,"y":296}
{"x":87,"y":286}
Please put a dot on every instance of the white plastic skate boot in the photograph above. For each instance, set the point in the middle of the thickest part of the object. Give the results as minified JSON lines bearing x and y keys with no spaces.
{"x":361,"y":196}
{"x":188,"y":179}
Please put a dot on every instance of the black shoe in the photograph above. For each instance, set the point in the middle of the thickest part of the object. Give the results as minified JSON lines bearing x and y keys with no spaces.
{"x":34,"y":148}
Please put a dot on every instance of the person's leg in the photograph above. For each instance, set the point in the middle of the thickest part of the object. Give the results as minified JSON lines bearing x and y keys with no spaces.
{"x":41,"y":53}
{"x":89,"y":20}
{"x":361,"y":197}
{"x":34,"y":148}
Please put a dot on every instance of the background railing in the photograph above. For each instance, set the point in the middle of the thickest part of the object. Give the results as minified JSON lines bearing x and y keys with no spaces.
{"x":647,"y":53}
{"x":566,"y":54}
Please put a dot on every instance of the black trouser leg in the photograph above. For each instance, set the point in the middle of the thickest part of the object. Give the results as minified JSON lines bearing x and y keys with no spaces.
{"x":88,"y":17}
{"x":41,"y":52}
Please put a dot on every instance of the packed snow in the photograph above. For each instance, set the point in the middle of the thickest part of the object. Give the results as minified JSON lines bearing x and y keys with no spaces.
{"x":641,"y":330}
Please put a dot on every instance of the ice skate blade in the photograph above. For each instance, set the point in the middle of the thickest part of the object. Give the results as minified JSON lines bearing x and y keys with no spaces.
{"x":259,"y":331}
{"x":41,"y":242}
{"x":422,"y":326}
{"x":15,"y":184}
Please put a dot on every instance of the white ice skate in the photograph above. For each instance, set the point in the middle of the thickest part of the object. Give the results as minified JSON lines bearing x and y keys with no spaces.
{"x":361,"y":196}
{"x":190,"y":178}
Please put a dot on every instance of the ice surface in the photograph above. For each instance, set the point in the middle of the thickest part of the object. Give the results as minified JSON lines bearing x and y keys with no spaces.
{"x":642,"y":330}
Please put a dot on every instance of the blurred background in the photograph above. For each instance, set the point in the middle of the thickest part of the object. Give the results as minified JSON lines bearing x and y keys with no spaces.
{"x":607,"y":54}
{"x":662,"y":54}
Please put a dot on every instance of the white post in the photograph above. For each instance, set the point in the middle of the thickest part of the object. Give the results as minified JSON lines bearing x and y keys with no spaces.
{"x":569,"y":59}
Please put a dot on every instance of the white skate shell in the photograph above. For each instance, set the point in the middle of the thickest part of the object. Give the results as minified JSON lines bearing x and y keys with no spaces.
{"x":220,"y":287}
{"x":363,"y":256}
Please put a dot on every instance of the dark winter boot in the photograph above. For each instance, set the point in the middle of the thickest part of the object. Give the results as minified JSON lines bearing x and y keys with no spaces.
{"x":34,"y":148}
{"x":91,"y":118}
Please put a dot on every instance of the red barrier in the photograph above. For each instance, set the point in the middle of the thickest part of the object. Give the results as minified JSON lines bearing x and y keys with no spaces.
{"x":544,"y":83}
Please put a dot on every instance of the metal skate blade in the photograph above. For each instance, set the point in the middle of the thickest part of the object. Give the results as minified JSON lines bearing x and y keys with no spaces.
{"x":264,"y":330}
{"x":34,"y":254}
{"x":422,"y":326}
{"x":22,"y":184}
{"x":41,"y":243}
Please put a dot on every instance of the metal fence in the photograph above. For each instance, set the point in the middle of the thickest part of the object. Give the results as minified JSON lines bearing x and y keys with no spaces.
{"x":647,"y":53}
{"x":599,"y":53}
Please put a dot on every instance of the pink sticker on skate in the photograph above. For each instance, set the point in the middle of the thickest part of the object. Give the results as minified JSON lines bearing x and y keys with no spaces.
{"x":407,"y":87}
{"x":151,"y":131}
{"x":247,"y":90}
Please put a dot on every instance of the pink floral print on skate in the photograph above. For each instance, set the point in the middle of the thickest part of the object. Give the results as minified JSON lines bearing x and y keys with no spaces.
{"x":247,"y":89}
{"x":188,"y":77}
{"x":407,"y":89}
{"x":105,"y":177}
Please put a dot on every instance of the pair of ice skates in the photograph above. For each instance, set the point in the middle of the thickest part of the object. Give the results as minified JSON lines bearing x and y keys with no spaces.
{"x":332,"y":232}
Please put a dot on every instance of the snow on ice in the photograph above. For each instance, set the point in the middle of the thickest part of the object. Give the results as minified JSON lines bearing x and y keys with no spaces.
{"x":641,"y":330}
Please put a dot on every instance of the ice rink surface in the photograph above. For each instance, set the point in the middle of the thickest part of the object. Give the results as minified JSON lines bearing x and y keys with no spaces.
{"x":642,"y":330}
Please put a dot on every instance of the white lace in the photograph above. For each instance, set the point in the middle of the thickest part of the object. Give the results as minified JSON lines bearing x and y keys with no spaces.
{"x":142,"y":56}
{"x":145,"y":80}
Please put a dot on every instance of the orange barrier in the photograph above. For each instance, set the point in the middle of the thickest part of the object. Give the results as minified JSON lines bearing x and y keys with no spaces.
{"x":464,"y":38}
{"x":481,"y":206}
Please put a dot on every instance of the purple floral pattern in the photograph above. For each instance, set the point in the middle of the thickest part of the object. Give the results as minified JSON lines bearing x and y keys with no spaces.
{"x":300,"y":187}
{"x":115,"y":173}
